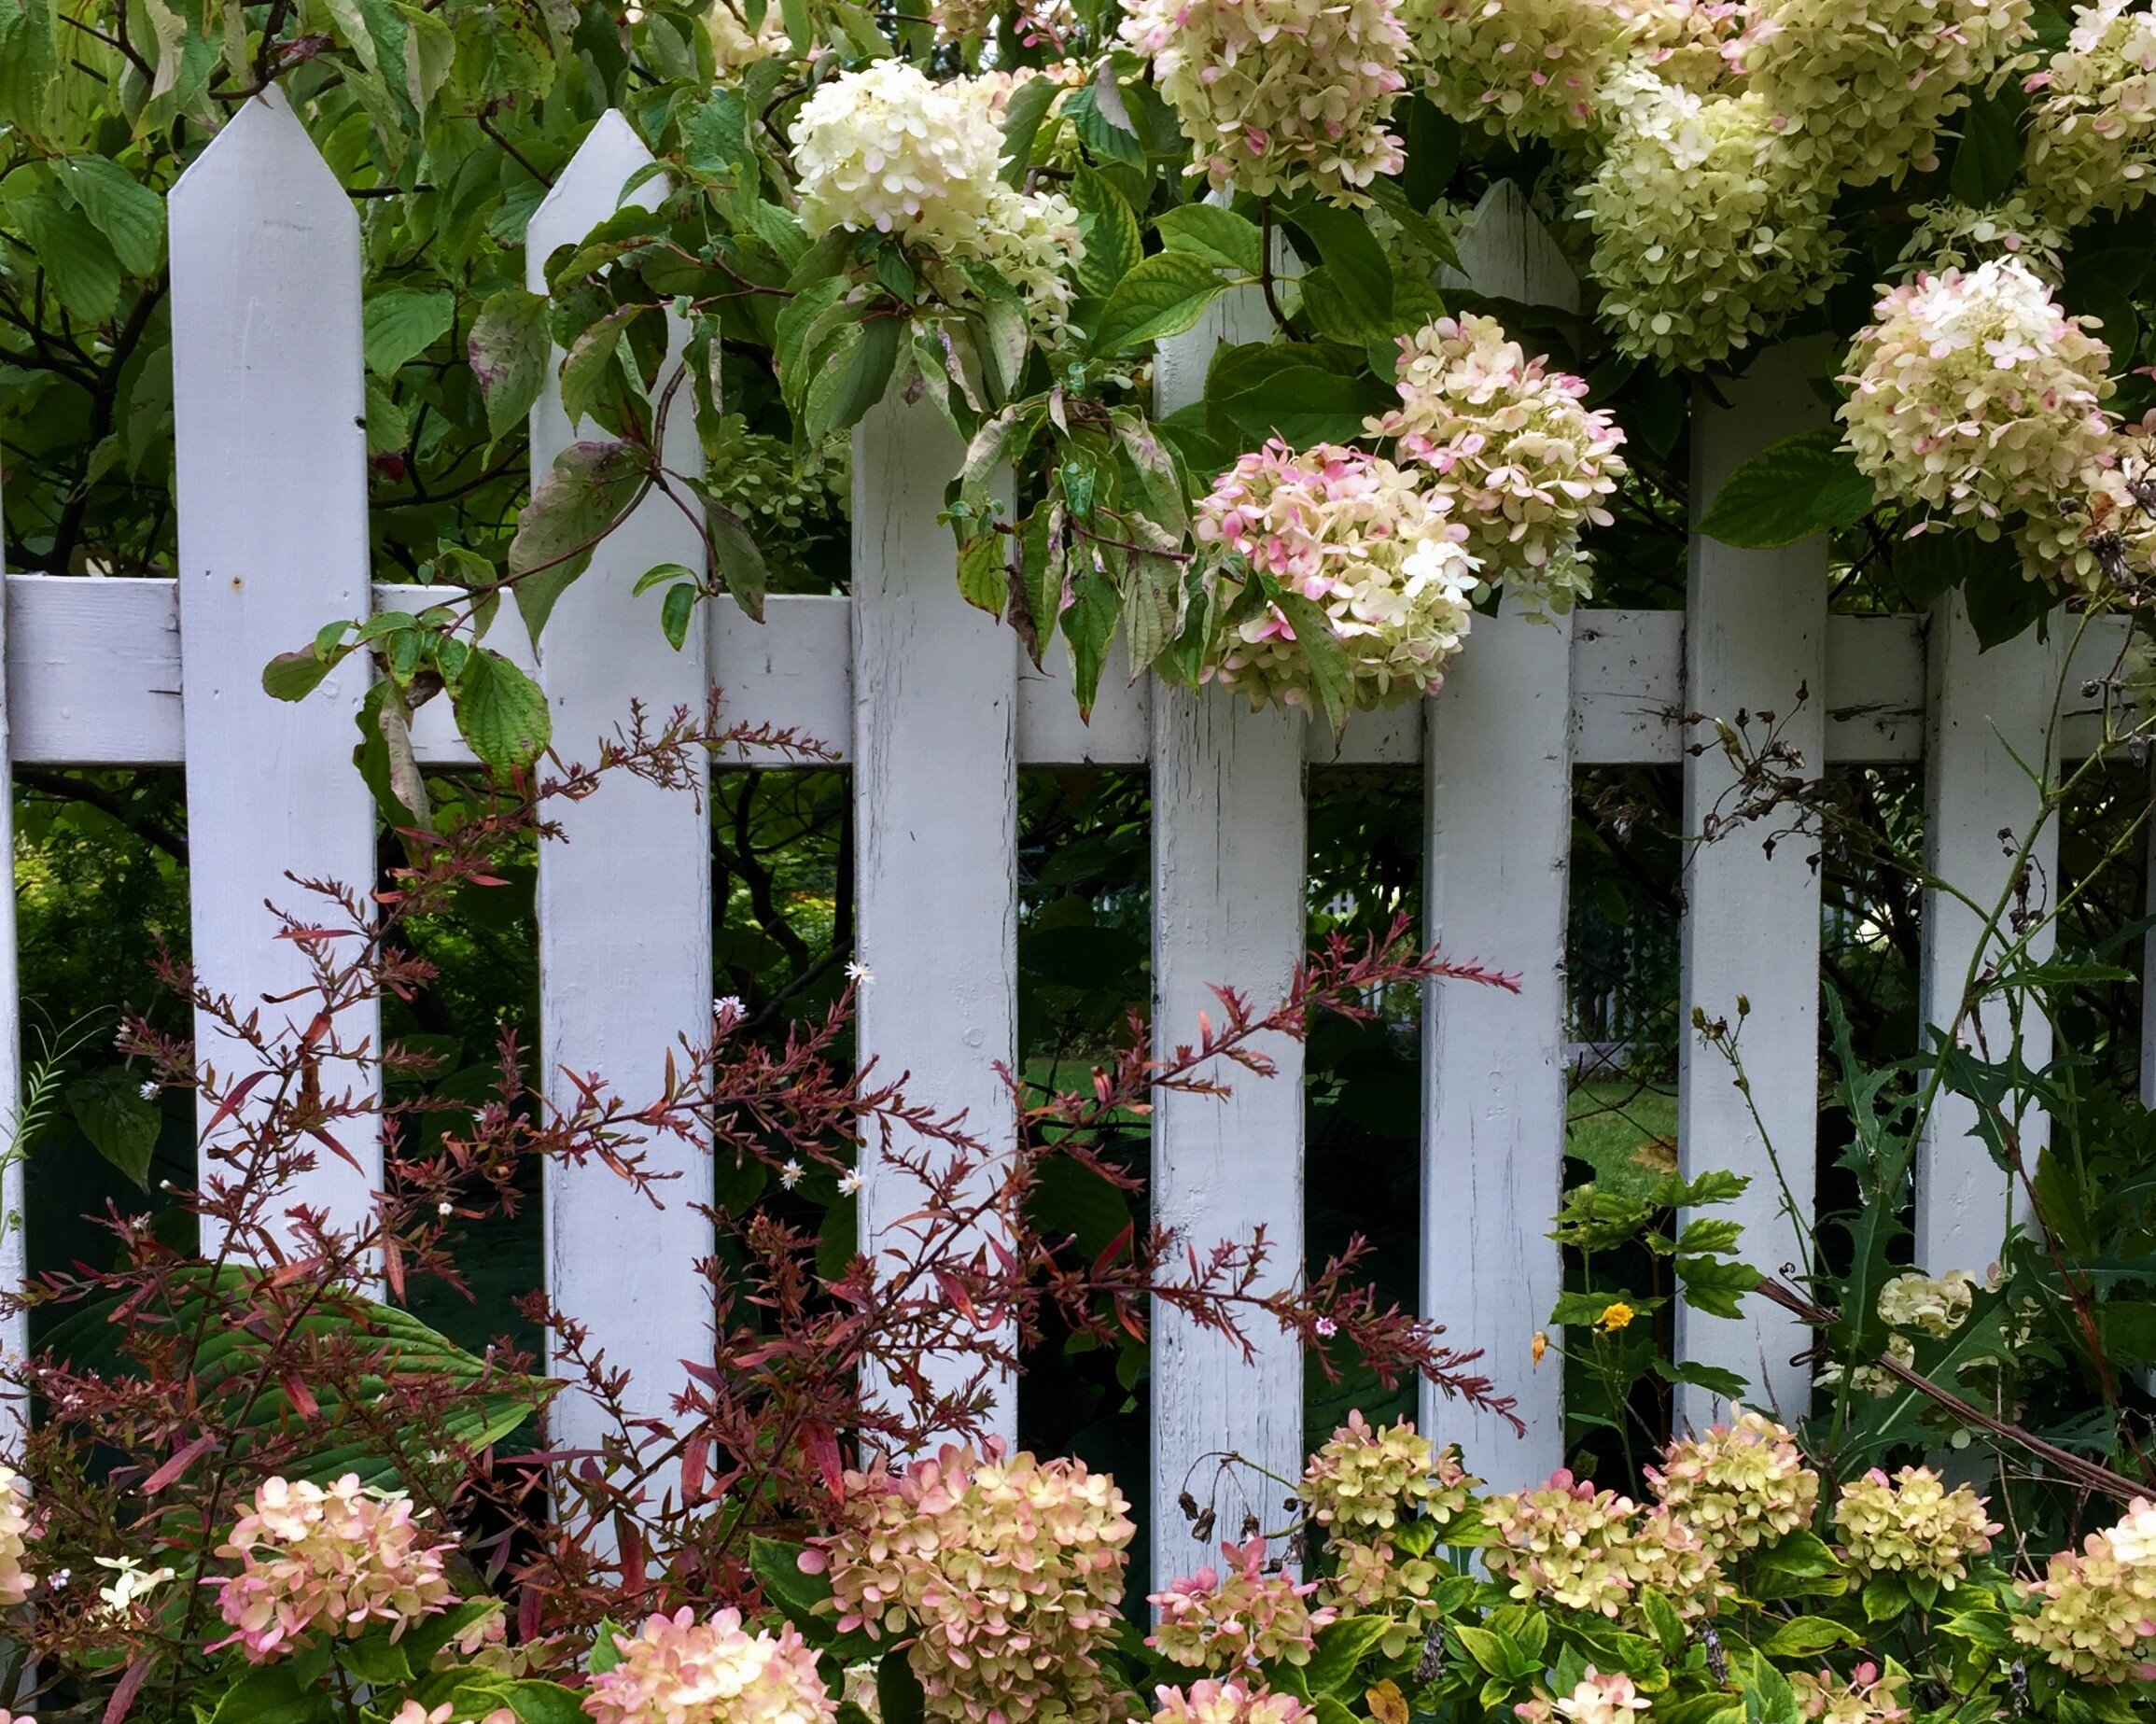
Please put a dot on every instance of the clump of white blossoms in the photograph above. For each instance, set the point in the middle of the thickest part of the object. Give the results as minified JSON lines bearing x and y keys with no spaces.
{"x":1526,"y":466}
{"x":734,"y":45}
{"x":2093,"y":127}
{"x":1740,"y":1485}
{"x":1911,"y":1524}
{"x":1523,"y":68}
{"x":1951,"y":235}
{"x":1704,"y":235}
{"x":1976,"y":395}
{"x":1272,"y":93}
{"x":890,"y":149}
{"x":1354,"y":535}
{"x":1934,"y":1306}
{"x":1858,"y":88}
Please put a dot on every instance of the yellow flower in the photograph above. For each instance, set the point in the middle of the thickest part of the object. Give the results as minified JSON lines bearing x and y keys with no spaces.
{"x":1615,"y":1316}
{"x":1539,"y":1345}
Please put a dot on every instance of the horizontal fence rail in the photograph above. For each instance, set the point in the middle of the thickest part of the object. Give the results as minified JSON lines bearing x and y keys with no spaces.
{"x":936,"y":711}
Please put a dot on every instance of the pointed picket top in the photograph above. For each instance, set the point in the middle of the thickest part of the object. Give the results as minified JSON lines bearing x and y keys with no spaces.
{"x":261,"y":159}
{"x":1508,"y":254}
{"x":588,"y":190}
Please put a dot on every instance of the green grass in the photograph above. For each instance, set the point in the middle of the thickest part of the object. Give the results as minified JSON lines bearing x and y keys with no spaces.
{"x":1609,"y":1120}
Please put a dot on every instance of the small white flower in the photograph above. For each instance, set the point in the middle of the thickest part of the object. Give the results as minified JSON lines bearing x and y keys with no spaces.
{"x":59,"y":1579}
{"x":1326,"y":1328}
{"x":849,"y":1182}
{"x":444,"y":1207}
{"x":728,"y":1010}
{"x":149,"y":1089}
{"x":131,"y":1581}
{"x":790,"y":1175}
{"x":860,"y":974}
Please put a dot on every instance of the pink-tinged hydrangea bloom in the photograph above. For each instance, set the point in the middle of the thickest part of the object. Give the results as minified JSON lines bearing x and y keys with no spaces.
{"x":341,"y":1559}
{"x":1277,"y":94}
{"x":1911,"y":1524}
{"x":1864,"y":1697}
{"x":1949,"y":235}
{"x":1595,"y":1698}
{"x":2096,"y":1608}
{"x":1705,"y":234}
{"x":1976,"y":395}
{"x":1248,"y":1615}
{"x":1227,"y":1702}
{"x":1007,"y":1571}
{"x":1364,"y":1481}
{"x":1527,"y":468}
{"x":1523,"y":68}
{"x":1740,"y":1485}
{"x":16,"y":1579}
{"x":1858,"y":88}
{"x":1355,"y":537}
{"x":2092,"y":126}
{"x":1589,"y":1550}
{"x":679,"y":1671}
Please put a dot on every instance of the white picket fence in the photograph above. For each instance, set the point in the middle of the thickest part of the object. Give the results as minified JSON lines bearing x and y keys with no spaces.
{"x":935,"y":709}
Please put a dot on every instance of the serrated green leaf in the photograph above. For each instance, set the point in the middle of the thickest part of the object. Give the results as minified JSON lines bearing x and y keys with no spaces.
{"x":403,"y":324}
{"x":1218,"y":236}
{"x":1165,"y":295}
{"x":1802,"y":485}
{"x":501,"y":712}
{"x":590,"y":487}
{"x":1109,"y":231}
{"x":120,"y":206}
{"x":508,"y":352}
{"x":120,"y":1122}
{"x":78,"y":260}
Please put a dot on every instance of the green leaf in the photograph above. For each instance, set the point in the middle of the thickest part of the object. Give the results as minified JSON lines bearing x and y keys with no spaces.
{"x":1321,"y":650}
{"x":544,"y":1702}
{"x":1360,"y":271}
{"x":984,"y":576}
{"x":373,"y":1658}
{"x":294,"y":676}
{"x":1340,"y":1651}
{"x":78,"y":260}
{"x":1714,"y":1286}
{"x":272,"y":1695}
{"x":897,"y":1690}
{"x":1109,"y":231}
{"x":1165,"y":295}
{"x":739,"y":560}
{"x":675,"y":612}
{"x":508,"y":351}
{"x":2003,"y":601}
{"x":1105,"y":137}
{"x":590,"y":486}
{"x":1022,"y":117}
{"x":1990,"y":153}
{"x":844,"y":391}
{"x":1304,"y":404}
{"x":501,"y":712}
{"x":403,"y":324}
{"x":120,"y":1122}
{"x":1803,"y":484}
{"x":590,"y":361}
{"x":1219,"y":236}
{"x":804,"y":1598}
{"x":120,"y":206}
{"x":1432,"y":138}
{"x":1807,"y":1637}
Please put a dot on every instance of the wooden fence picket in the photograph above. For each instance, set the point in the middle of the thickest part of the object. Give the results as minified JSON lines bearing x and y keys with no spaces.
{"x":1227,"y":909}
{"x":1990,"y":719}
{"x":625,"y":894}
{"x":1755,"y":645}
{"x":935,"y":787}
{"x":270,"y":468}
{"x":1497,"y":765}
{"x":14,"y":1146}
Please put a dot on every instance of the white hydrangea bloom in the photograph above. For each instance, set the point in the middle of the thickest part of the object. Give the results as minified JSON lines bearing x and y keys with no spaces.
{"x":1952,"y":235}
{"x":2093,"y":127}
{"x":889,"y":148}
{"x":734,"y":45}
{"x":1520,"y":68}
{"x":1704,"y":235}
{"x":1526,"y":468}
{"x":1272,"y":93}
{"x":1352,"y":534}
{"x":1858,"y":88}
{"x":1976,"y":396}
{"x":1935,"y":1307}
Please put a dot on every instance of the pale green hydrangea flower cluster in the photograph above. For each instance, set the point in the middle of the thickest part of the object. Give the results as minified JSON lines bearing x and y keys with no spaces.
{"x":16,"y":1580}
{"x":1527,"y":466}
{"x":1523,"y":68}
{"x":1007,"y":1572}
{"x":2092,"y":126}
{"x":1365,"y":1486}
{"x":1911,"y":1524}
{"x":1595,"y":1698}
{"x":1864,"y":1697}
{"x":1935,"y":1306}
{"x":2095,"y":1611}
{"x":1951,"y":235}
{"x":1705,"y":234}
{"x":1569,"y":1544}
{"x":1859,"y":88}
{"x":1976,"y":395}
{"x":890,"y":149}
{"x":1276,"y":93}
{"x":717,"y":1671}
{"x":1247,"y":1615}
{"x":1740,"y":1485}
{"x":1364,"y":543}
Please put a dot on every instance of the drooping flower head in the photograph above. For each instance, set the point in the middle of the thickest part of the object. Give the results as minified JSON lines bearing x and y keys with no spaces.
{"x":1705,"y":234}
{"x":734,"y":45}
{"x":1227,"y":1702}
{"x":16,"y":1579}
{"x":1976,"y":395}
{"x":1246,"y":1614}
{"x":339,"y":1559}
{"x":1740,"y":1485}
{"x":2096,"y":1608}
{"x":1007,"y":1571}
{"x":1864,"y":1697}
{"x":1927,"y":1305}
{"x":2092,"y":126}
{"x":1356,"y":538}
{"x":1858,"y":88}
{"x":1277,"y":94}
{"x":1526,"y":466}
{"x":679,"y":1671}
{"x":1911,"y":1524}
